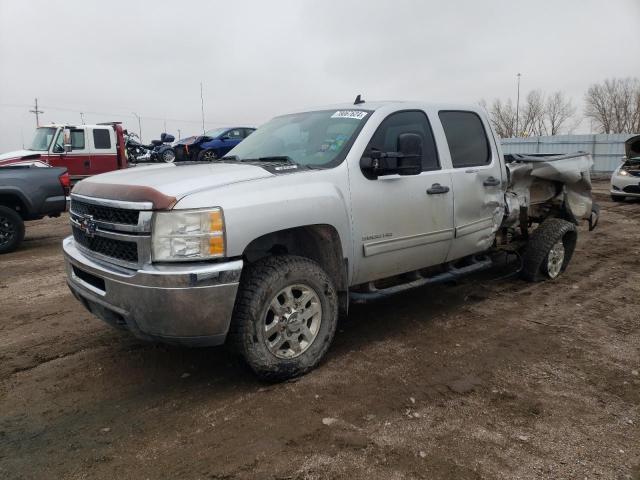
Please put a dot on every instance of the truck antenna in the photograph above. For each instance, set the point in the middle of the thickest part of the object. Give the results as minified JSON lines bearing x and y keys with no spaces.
{"x":359,"y":100}
{"x":37,"y":112}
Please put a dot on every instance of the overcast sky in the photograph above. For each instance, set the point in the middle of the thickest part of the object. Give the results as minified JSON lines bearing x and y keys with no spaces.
{"x":260,"y":58}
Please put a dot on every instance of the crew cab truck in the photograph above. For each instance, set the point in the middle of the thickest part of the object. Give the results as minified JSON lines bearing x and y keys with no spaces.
{"x":84,"y":150}
{"x":264,"y":247}
{"x":29,"y":190}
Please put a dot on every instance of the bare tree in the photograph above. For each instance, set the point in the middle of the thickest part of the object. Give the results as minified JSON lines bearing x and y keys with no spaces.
{"x":533,"y":115}
{"x":538,"y":115}
{"x":614,"y":106}
{"x":502,"y":117}
{"x":558,"y":111}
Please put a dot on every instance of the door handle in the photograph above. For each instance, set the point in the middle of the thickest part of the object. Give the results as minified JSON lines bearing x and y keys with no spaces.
{"x":86,"y":163}
{"x":436,"y":189}
{"x":491,"y":182}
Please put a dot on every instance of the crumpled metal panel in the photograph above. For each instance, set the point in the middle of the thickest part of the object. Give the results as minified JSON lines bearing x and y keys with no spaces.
{"x":534,"y":181}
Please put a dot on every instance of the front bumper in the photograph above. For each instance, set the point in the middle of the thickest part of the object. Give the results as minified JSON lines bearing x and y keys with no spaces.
{"x":625,"y":185}
{"x":187,"y":304}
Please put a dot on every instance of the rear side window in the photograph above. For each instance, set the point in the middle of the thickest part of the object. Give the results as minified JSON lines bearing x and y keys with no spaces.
{"x":467,"y":139}
{"x":248,"y":131}
{"x":386,"y":137}
{"x":101,"y":138}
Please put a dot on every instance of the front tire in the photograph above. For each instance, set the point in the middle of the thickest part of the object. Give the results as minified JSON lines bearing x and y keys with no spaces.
{"x":549,"y":250}
{"x":11,"y":230}
{"x":285,"y":316}
{"x":207,"y":156}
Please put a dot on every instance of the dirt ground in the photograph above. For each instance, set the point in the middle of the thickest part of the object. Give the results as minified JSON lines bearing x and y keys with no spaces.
{"x":489,"y":378}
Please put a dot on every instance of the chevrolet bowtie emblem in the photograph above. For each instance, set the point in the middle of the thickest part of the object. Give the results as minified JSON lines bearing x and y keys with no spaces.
{"x":87,"y":225}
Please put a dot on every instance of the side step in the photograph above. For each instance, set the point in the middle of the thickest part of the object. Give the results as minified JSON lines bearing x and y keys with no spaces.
{"x":452,"y":273}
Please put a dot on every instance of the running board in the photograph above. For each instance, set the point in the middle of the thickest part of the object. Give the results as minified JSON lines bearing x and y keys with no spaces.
{"x":451,"y":274}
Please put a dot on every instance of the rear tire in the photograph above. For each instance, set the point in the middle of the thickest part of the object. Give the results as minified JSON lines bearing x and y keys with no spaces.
{"x":549,"y":250}
{"x":617,"y":198}
{"x":277,"y":341}
{"x":11,"y":230}
{"x":168,"y":156}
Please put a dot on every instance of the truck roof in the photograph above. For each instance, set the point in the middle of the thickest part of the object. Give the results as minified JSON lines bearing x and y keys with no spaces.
{"x":68,"y":125}
{"x":393,"y":105}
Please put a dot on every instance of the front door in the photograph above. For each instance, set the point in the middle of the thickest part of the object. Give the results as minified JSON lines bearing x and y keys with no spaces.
{"x":401,"y":223}
{"x":478,"y":182}
{"x":77,"y":161}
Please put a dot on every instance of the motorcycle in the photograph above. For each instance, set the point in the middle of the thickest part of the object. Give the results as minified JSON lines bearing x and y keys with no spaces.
{"x":157,"y":151}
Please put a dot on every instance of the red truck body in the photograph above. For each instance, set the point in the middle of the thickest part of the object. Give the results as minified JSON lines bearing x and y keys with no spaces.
{"x":84,"y":150}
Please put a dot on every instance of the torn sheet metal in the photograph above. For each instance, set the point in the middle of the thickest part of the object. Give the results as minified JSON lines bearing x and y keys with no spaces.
{"x":549,"y":179}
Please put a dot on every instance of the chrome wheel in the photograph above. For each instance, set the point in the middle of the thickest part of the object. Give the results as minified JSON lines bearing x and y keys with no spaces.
{"x":292,"y":321}
{"x":555,"y":259}
{"x":168,"y":156}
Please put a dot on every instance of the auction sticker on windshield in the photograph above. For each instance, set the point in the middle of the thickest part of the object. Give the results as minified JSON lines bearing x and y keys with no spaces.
{"x":356,"y":114}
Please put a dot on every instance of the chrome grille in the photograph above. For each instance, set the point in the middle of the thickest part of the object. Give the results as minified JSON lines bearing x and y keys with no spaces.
{"x":118,"y":232}
{"x":107,"y":214}
{"x":117,"y":249}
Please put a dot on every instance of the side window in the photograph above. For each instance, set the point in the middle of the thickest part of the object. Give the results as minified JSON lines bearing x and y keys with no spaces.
{"x":234,"y":134}
{"x":247,"y":132}
{"x":467,"y":139}
{"x":386,"y":137}
{"x":101,"y":138}
{"x":77,"y":141}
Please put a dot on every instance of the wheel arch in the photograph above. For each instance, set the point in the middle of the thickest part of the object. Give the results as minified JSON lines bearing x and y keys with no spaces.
{"x":320,"y":243}
{"x":15,"y":201}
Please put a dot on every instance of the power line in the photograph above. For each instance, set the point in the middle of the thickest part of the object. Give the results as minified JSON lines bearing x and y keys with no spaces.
{"x":128,"y":115}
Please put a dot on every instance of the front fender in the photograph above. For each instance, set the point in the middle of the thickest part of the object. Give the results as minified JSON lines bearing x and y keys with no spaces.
{"x":256,"y":208}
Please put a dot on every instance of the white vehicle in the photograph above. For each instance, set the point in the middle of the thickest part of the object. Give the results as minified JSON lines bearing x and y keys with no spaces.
{"x":264,"y":247}
{"x":625,"y":181}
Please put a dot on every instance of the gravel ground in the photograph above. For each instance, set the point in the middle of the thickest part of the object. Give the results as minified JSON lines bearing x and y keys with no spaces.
{"x":487,"y":378}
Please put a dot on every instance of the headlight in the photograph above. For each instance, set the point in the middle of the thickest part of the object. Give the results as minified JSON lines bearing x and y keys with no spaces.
{"x":623,"y":172}
{"x":181,"y":235}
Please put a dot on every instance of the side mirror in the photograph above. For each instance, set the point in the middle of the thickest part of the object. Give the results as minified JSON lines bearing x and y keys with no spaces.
{"x":407,"y":160}
{"x":225,"y":138}
{"x":68,"y":146}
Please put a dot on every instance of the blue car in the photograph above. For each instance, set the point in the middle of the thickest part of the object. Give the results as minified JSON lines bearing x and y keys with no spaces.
{"x":212,"y":145}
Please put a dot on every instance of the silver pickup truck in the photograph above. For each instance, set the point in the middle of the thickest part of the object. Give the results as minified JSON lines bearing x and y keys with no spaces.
{"x":266,"y":247}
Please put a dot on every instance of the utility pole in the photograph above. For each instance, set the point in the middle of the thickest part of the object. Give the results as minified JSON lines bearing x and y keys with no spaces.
{"x":37,"y":112}
{"x":178,"y":134}
{"x":518,"y":109}
{"x":165,"y":127}
{"x":202,"y":106}
{"x":139,"y":125}
{"x":82,"y":117}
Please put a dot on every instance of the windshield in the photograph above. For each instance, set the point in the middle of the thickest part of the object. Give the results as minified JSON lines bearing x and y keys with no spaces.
{"x":320,"y":138}
{"x":42,"y":138}
{"x":215,"y":132}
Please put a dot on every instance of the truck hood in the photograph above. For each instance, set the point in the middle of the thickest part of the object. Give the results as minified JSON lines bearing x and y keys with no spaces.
{"x":163,"y":185}
{"x":19,"y":155}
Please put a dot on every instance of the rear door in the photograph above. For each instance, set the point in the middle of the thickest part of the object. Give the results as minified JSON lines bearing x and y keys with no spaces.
{"x":103,"y":152}
{"x":478,"y":181}
{"x":401,"y":223}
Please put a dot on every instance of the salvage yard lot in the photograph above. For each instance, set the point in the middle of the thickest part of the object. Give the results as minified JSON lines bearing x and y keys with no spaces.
{"x":488,"y":378}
